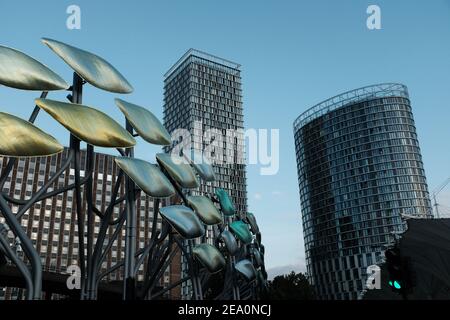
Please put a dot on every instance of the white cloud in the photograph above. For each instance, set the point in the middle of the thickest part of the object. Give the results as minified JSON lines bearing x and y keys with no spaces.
{"x":258,"y":196}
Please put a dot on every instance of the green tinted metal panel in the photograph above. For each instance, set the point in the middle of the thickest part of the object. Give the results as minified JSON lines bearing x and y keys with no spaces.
{"x":147,"y":176}
{"x":205,"y":209}
{"x":88,"y":124}
{"x":252,"y":221}
{"x":178,"y":169}
{"x":145,"y":123}
{"x":240,"y":229}
{"x":209,"y":257}
{"x":20,"y":71}
{"x":90,"y":67}
{"x":230,"y":242}
{"x":201,"y":165}
{"x":225,"y":202}
{"x":19,"y":138}
{"x":183,"y":220}
{"x":246,"y":268}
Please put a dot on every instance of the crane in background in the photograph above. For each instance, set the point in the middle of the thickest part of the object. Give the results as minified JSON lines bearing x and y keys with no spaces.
{"x":435,"y":193}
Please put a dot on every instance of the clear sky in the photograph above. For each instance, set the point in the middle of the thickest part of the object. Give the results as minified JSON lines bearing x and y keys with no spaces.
{"x":294,"y":54}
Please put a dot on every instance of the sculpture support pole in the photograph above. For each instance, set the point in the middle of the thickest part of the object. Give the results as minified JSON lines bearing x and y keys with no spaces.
{"x":196,"y":286}
{"x":90,"y":217}
{"x":96,"y":262}
{"x":163,"y":259}
{"x":236,"y":293}
{"x":252,"y":259}
{"x":27,"y":246}
{"x":28,"y":204}
{"x":182,"y":245}
{"x":20,"y":265}
{"x":77,"y":91}
{"x":129,"y":290}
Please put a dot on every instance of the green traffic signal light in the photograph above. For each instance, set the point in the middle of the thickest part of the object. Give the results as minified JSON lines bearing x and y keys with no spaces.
{"x":395,"y":284}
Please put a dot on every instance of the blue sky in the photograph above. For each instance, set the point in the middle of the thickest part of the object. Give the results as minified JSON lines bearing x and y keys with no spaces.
{"x":294,"y":54}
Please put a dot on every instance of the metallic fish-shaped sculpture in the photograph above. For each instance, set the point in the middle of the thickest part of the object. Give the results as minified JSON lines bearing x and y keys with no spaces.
{"x":20,"y":71}
{"x":230,"y":242}
{"x":88,"y":124}
{"x":246,"y":268}
{"x":147,"y":176}
{"x":240,"y":229}
{"x":225,"y":202}
{"x":178,"y":169}
{"x":205,"y":209}
{"x":209,"y":257}
{"x":19,"y":138}
{"x":252,"y":221}
{"x":91,"y":67}
{"x":183,"y":220}
{"x":145,"y":123}
{"x":201,"y":165}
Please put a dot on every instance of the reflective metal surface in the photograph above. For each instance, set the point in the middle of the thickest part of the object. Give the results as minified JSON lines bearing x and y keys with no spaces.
{"x":201,"y":165}
{"x":246,"y":268}
{"x":20,"y":71}
{"x":258,"y":260}
{"x":145,"y":123}
{"x":240,"y":229}
{"x":88,"y":124}
{"x":230,"y":242}
{"x":258,"y":238}
{"x":205,"y":209}
{"x":90,"y":67}
{"x":209,"y":257}
{"x":225,"y":202}
{"x":147,"y":176}
{"x":19,"y":138}
{"x":178,"y":169}
{"x":183,"y":220}
{"x":252,"y":221}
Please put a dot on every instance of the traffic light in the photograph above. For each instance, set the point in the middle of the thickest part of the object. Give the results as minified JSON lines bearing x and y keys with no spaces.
{"x":400,"y":278}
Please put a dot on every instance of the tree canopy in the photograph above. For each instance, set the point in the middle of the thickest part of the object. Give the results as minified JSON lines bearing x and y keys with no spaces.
{"x":292,"y":286}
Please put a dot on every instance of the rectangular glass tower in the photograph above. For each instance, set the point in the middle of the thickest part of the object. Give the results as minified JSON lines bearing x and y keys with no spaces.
{"x":203,"y":95}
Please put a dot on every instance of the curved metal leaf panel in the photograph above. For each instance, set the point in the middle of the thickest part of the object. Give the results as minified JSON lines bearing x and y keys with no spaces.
{"x":88,"y":124}
{"x":20,"y":138}
{"x":92,"y":68}
{"x":20,"y":71}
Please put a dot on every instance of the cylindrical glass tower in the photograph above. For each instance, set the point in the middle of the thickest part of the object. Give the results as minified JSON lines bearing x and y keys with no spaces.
{"x":359,"y":168}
